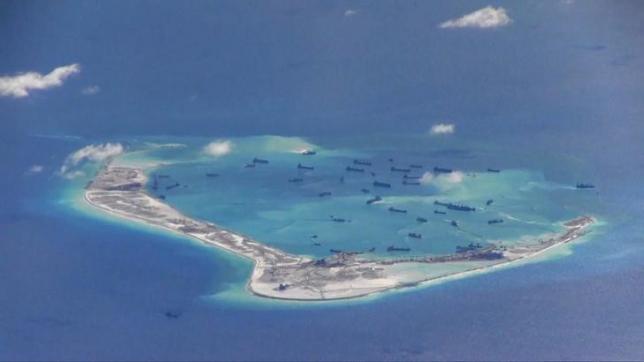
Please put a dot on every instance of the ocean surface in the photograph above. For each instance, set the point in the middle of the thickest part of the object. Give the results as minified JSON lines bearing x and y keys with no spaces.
{"x":552,"y":99}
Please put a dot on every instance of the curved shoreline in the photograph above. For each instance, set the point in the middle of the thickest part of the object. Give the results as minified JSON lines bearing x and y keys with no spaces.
{"x":279,"y":275}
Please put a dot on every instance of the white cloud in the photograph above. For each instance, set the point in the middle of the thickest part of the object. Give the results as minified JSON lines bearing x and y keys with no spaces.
{"x":454,"y":177}
{"x":427,"y":178}
{"x":350,"y":12}
{"x":35,"y":169}
{"x":487,"y":17}
{"x":19,"y":85}
{"x":90,"y":153}
{"x":91,"y":90}
{"x":218,"y":148}
{"x":442,"y":128}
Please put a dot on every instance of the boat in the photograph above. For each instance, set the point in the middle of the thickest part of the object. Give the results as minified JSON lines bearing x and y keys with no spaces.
{"x":495,"y":221}
{"x":314,"y":236}
{"x":489,"y":202}
{"x":317,"y":244}
{"x":408,"y":177}
{"x":421,"y":219}
{"x":172,"y":186}
{"x":361,"y":163}
{"x":395,"y":248}
{"x":382,"y":184}
{"x":212,"y":175}
{"x":393,"y":209}
{"x":324,"y":194}
{"x":354,"y":169}
{"x":302,"y":167}
{"x":493,"y":170}
{"x":338,"y":219}
{"x":335,"y":251}
{"x":415,"y":166}
{"x":162,"y":197}
{"x":415,"y":235}
{"x":411,"y":183}
{"x":398,"y":169}
{"x":249,"y":165}
{"x":585,"y":186}
{"x":371,"y":250}
{"x":452,"y":206}
{"x":374,"y":199}
{"x":469,"y":247}
{"x":365,"y":191}
{"x":442,"y":170}
{"x":308,"y":153}
{"x":454,"y":223}
{"x":440,"y":212}
{"x":296,"y":180}
{"x":259,"y":160}
{"x":163,"y":176}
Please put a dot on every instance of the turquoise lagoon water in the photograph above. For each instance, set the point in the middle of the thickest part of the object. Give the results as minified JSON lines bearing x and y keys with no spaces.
{"x":262,"y":203}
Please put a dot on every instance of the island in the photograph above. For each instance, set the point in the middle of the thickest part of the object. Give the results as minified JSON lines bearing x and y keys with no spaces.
{"x":120,"y":191}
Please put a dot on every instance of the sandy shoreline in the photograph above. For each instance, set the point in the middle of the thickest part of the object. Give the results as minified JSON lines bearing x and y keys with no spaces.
{"x":276,"y":274}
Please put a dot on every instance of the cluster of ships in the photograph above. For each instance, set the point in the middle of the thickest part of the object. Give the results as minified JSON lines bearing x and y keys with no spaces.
{"x":407,"y":178}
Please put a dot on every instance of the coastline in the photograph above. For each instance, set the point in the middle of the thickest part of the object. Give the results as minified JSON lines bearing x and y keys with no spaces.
{"x":279,"y":275}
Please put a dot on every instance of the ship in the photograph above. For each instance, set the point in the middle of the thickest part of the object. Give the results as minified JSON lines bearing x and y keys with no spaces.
{"x":172,"y":186}
{"x":212,"y":175}
{"x":374,"y":199}
{"x":396,"y":248}
{"x":442,"y":170}
{"x":415,"y":235}
{"x":338,"y":219}
{"x":489,"y":202}
{"x":354,"y":169}
{"x":411,"y":183}
{"x":440,"y":212}
{"x":361,"y":163}
{"x":382,"y":184}
{"x":452,"y":206}
{"x":585,"y":186}
{"x":421,"y":219}
{"x":415,"y":166}
{"x":393,"y":209}
{"x":493,"y":170}
{"x":408,"y":177}
{"x":249,"y":165}
{"x":469,"y":247}
{"x":308,"y":153}
{"x":317,"y":244}
{"x":259,"y":160}
{"x":295,"y":179}
{"x":365,"y":191}
{"x":335,"y":251}
{"x":164,"y":176}
{"x":495,"y":221}
{"x":324,"y":194}
{"x":397,"y":169}
{"x":302,"y":167}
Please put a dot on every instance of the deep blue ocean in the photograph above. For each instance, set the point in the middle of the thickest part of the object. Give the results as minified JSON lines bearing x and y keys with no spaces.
{"x":558,"y":93}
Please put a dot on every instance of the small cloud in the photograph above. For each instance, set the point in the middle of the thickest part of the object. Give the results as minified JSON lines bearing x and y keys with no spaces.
{"x":35,"y":169}
{"x":91,"y":90}
{"x":218,"y":148}
{"x":19,"y":85}
{"x":454,"y":177}
{"x":442,"y":128}
{"x":350,"y":12}
{"x":427,"y":178}
{"x":487,"y":17}
{"x":90,"y":153}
